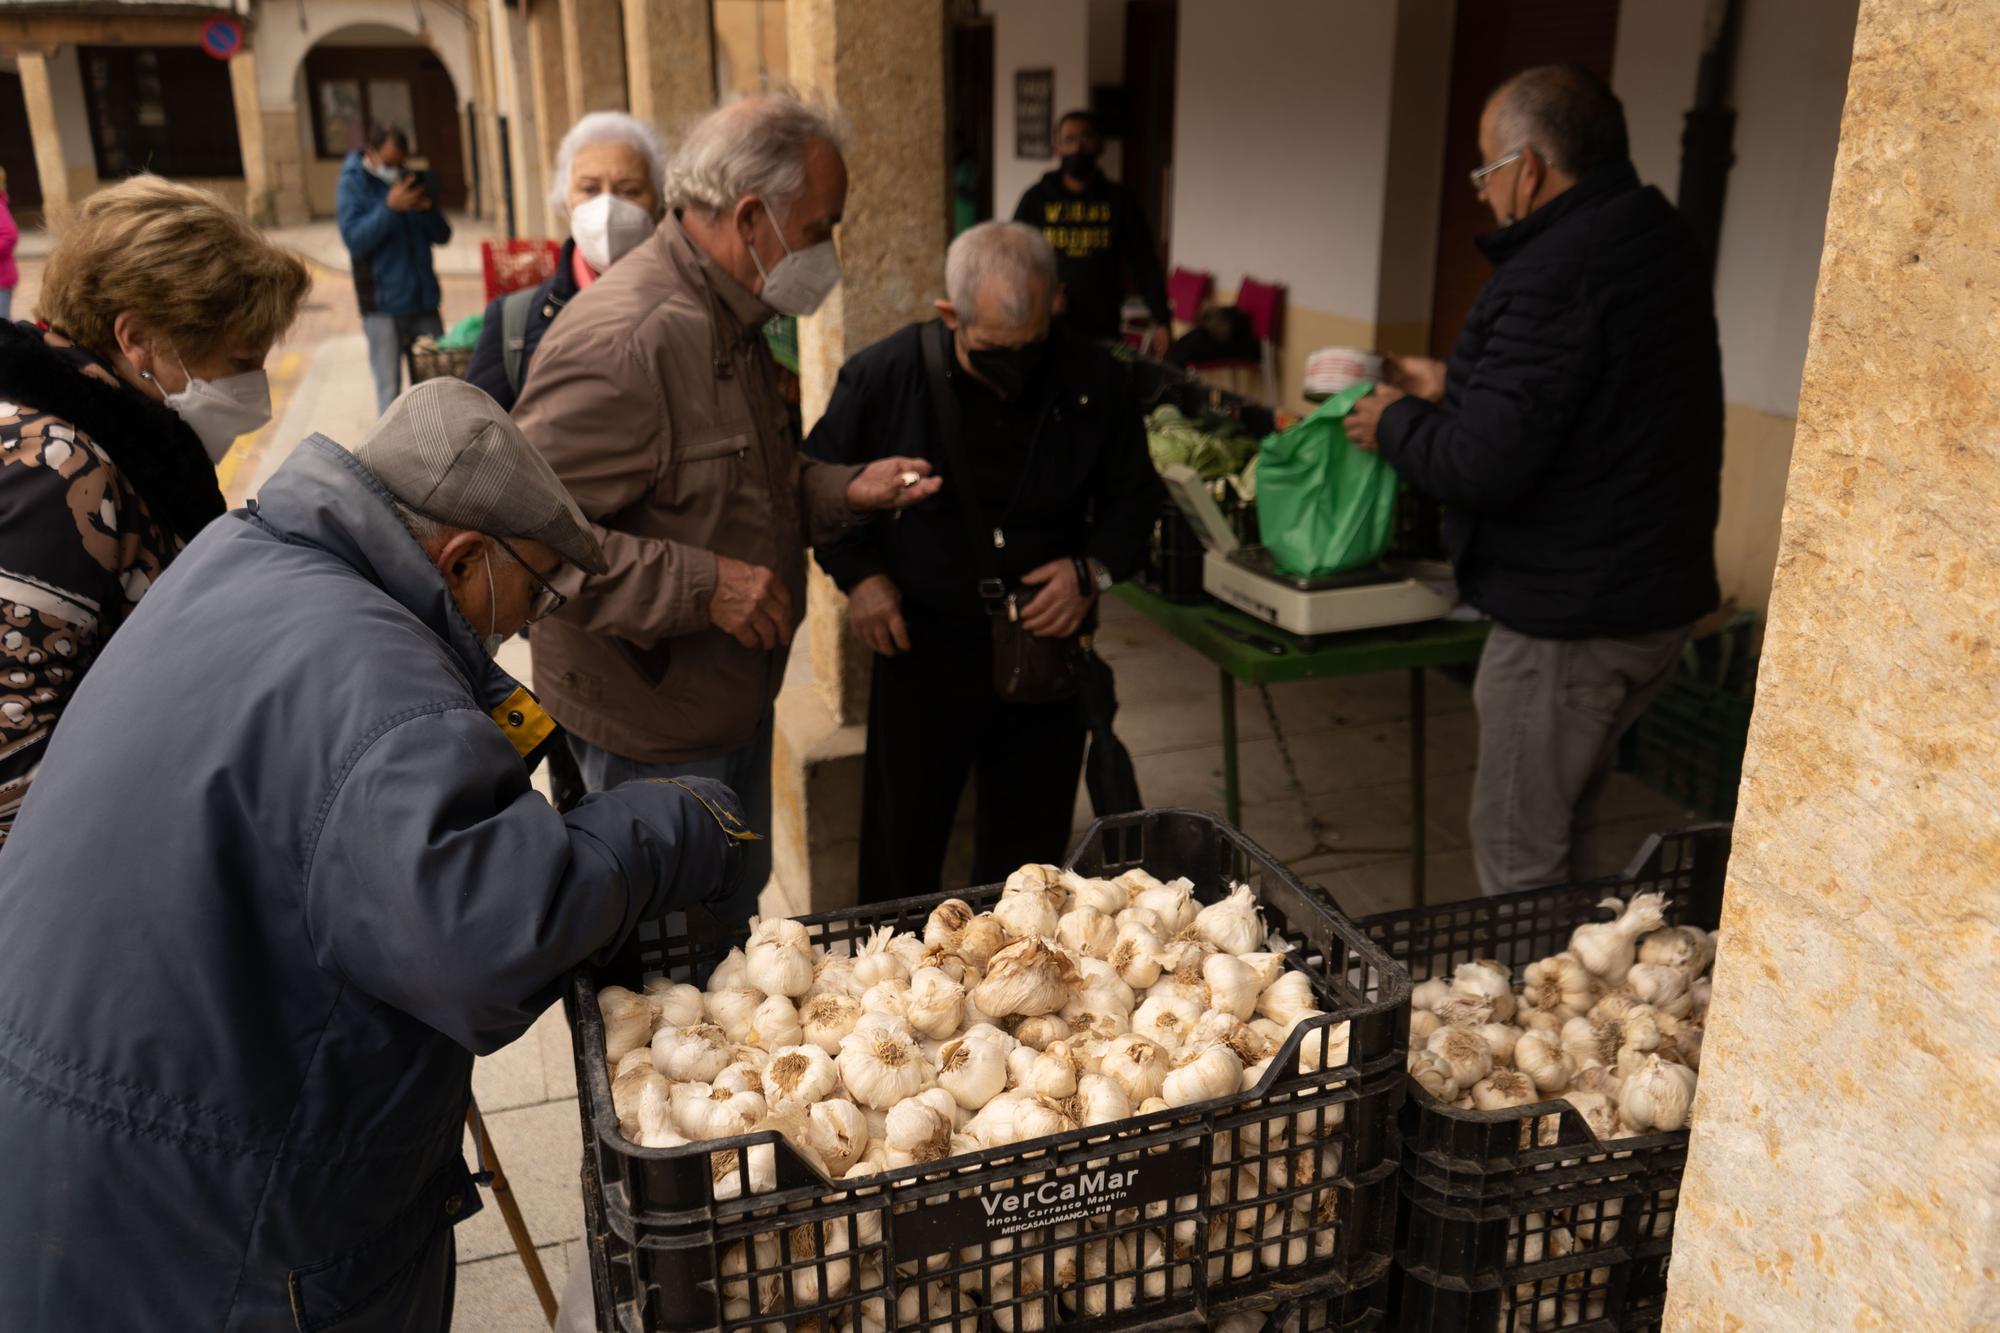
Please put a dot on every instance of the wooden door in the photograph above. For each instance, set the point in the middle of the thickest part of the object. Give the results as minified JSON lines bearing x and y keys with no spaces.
{"x":438,"y":128}
{"x":17,"y":150}
{"x":1152,"y":38}
{"x":1493,"y":40}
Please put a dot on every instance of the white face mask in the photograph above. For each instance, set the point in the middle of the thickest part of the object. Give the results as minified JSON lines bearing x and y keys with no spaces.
{"x":218,"y":411}
{"x":798,"y":283}
{"x":383,"y":172}
{"x":605,"y":227}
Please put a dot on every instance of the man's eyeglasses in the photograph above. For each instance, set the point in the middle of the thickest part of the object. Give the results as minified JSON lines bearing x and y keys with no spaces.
{"x":547,"y":600}
{"x":1479,"y":174}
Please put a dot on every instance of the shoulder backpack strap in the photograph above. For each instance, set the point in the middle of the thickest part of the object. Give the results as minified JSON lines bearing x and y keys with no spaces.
{"x":515,"y":308}
{"x":936,"y":339}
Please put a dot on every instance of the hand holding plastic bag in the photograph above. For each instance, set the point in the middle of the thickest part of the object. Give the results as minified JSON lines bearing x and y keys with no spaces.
{"x":1324,"y":506}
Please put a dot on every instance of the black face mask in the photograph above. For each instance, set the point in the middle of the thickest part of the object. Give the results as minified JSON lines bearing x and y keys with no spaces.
{"x":1079,"y":166}
{"x":1008,"y":369}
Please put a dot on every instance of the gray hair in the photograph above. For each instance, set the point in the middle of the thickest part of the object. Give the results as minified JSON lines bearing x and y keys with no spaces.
{"x":1564,"y":112}
{"x":1014,"y":253}
{"x":427,"y":530}
{"x":608,"y":127}
{"x":755,"y":146}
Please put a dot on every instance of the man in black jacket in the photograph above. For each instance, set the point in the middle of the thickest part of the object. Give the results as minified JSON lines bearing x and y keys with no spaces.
{"x":1065,"y":493}
{"x":1575,"y":438}
{"x":1100,"y":238}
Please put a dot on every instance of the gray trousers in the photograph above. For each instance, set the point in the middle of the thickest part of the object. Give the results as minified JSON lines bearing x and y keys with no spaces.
{"x":387,"y":335}
{"x":1551,"y":712}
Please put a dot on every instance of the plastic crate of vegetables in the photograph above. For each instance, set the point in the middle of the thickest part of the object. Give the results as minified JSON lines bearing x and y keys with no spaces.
{"x":1555,"y":1043}
{"x":1163,"y":1081}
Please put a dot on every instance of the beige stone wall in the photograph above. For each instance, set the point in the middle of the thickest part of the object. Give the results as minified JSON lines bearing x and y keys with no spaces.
{"x":1846,"y":1151}
{"x":670,"y":62}
{"x":593,"y":56}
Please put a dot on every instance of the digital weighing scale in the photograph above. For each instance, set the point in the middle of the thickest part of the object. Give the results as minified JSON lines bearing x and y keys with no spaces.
{"x":1390,"y":593}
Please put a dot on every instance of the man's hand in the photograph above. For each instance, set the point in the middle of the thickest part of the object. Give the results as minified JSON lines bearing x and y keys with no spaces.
{"x":880,"y":485}
{"x":1365,"y":416}
{"x":750,"y":604}
{"x":1061,"y":604}
{"x":1158,"y":339}
{"x":406,"y":196}
{"x":1419,"y":376}
{"x":875,"y":609}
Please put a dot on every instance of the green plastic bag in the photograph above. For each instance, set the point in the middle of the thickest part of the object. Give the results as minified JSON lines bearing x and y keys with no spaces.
{"x":1324,"y":506}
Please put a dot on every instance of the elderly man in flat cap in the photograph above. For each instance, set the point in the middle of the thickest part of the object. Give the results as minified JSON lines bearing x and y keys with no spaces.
{"x":282,"y":876}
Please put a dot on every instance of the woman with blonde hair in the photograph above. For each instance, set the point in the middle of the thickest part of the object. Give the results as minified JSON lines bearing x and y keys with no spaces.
{"x":157,"y":309}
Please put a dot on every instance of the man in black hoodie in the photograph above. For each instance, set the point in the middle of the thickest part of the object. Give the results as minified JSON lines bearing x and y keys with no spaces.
{"x":1101,"y":238}
{"x":1575,"y":438}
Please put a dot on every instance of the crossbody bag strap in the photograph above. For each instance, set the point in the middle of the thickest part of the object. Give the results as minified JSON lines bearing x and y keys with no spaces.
{"x":936,"y":341}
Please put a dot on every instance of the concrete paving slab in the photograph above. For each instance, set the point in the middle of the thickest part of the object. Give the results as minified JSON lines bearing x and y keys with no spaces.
{"x":541,"y":1148}
{"x":494,"y":1295}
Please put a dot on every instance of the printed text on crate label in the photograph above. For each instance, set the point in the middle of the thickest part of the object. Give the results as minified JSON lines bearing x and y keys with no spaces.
{"x":1025,"y":1199}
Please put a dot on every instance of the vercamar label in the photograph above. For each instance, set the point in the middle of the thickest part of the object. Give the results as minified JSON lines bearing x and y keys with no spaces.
{"x":1028,"y":1199}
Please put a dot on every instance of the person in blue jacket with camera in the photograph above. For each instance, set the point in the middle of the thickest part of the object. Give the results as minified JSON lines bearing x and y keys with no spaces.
{"x":389,"y":221}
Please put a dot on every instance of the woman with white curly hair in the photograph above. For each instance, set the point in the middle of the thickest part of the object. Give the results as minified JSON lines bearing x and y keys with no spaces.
{"x":609,"y":182}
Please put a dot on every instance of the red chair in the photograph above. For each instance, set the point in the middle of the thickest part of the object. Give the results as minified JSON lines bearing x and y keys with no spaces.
{"x":1187,"y":289}
{"x":511,"y":265}
{"x":1263,"y":305}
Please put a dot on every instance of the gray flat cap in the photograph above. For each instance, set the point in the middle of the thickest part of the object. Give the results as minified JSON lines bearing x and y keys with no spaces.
{"x":451,"y":453}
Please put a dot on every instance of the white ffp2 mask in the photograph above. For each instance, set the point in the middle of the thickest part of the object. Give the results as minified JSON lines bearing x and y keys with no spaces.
{"x":606,"y":227}
{"x":218,"y":411}
{"x":803,"y":279}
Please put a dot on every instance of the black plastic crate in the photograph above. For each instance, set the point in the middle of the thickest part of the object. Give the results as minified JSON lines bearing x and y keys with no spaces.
{"x":659,"y":1233}
{"x":1174,"y":560}
{"x":1483,"y":1191}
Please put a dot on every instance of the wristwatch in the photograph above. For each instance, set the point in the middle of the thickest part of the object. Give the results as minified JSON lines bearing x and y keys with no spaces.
{"x":1092,"y":576}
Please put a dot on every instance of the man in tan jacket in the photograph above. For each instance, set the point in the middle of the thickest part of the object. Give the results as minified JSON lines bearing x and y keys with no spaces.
{"x":654,"y":399}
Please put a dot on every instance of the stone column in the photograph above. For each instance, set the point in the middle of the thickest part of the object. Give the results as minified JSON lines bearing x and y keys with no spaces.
{"x":259,"y":203}
{"x":43,"y":128}
{"x":1841,"y":1171}
{"x":593,"y":56}
{"x":514,"y":90}
{"x":548,"y":77}
{"x":486,"y":110}
{"x":882,"y":63}
{"x":670,"y":61}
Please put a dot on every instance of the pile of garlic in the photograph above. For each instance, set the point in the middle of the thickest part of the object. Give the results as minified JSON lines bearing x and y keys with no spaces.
{"x":1612,"y":1025}
{"x":1075,"y":1002}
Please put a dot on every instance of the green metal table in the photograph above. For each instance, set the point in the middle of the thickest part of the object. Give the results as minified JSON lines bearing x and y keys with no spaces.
{"x":1206,"y":628}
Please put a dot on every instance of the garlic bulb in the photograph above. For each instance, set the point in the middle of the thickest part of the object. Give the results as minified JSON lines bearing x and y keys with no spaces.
{"x":797,"y":1077}
{"x":1145,"y":918}
{"x":728,"y":973}
{"x":875,"y":962}
{"x":1613,"y":1005}
{"x":1542,"y":1058}
{"x":1233,"y":985}
{"x":946,"y":919}
{"x":980,"y":939}
{"x":882,"y":1066}
{"x":1540,"y":1020}
{"x":1672,"y":946}
{"x":826,"y":1240}
{"x":1136,"y":955}
{"x":778,"y":959}
{"x":1038,"y":1117}
{"x":889,"y":998}
{"x":1657,"y":1097}
{"x":824,"y":1020}
{"x":1166,"y":1020}
{"x":1287,"y":998}
{"x":1174,"y":904}
{"x":974,"y":1070}
{"x":1040,"y":1030}
{"x":734,"y":1010}
{"x":717,"y":1113}
{"x":1202,"y":1075}
{"x":675,"y":1003}
{"x":1607,"y":948}
{"x":1087,"y":932}
{"x":1029,"y":977}
{"x":739,"y":1078}
{"x":1500,"y":1039}
{"x":1660,"y":985}
{"x":774,"y":1023}
{"x":655,"y":1118}
{"x":1042,"y":879}
{"x":1091,"y":1025}
{"x":628,"y":1021}
{"x":1422,"y":1023}
{"x":1434,"y":1074}
{"x":1137,"y":1064}
{"x":1030,"y":912}
{"x":838,"y":1132}
{"x":920,"y":1127}
{"x":1101,"y":1100}
{"x":1687,"y":1044}
{"x":1105,"y":895}
{"x":1099,"y":989}
{"x":833,"y":974}
{"x":1598,"y":1111}
{"x":1053,"y":1073}
{"x":1470,"y":1058}
{"x":629,"y":1087}
{"x":1325,"y":1048}
{"x":1483,"y":978}
{"x":1504,"y":1088}
{"x":1218,"y":1027}
{"x":936,"y":1007}
{"x":1427,"y":994}
{"x":1461,"y":1011}
{"x":1558,"y":985}
{"x":693,"y":1054}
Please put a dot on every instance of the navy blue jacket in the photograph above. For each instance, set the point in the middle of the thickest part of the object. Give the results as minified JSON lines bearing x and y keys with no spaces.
{"x":280,"y":878}
{"x":390,"y":251}
{"x":488,"y":367}
{"x":1578,"y":450}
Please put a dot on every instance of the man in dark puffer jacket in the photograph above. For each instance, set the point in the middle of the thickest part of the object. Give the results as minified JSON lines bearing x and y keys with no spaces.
{"x":1575,"y":438}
